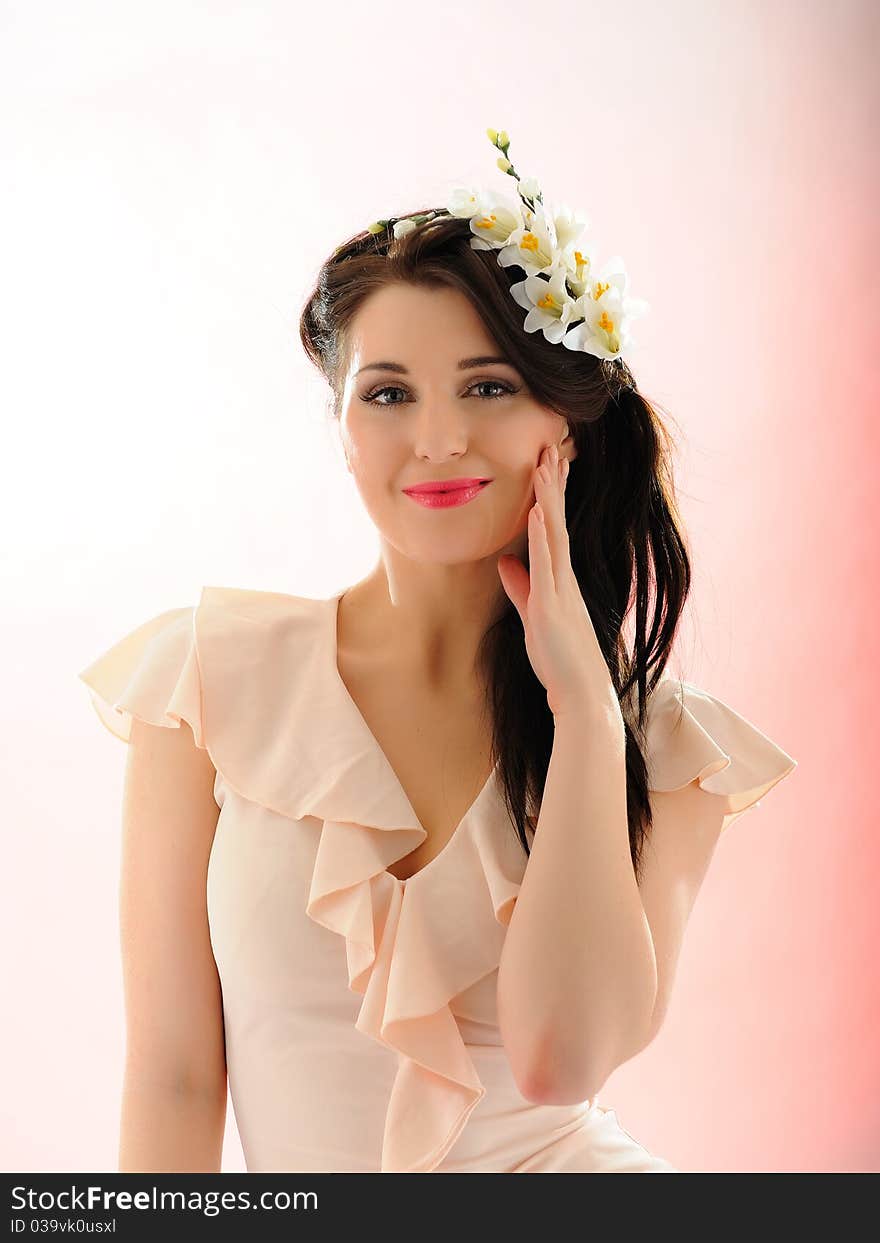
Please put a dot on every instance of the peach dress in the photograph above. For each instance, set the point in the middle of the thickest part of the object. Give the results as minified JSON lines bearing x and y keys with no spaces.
{"x":359,"y":1009}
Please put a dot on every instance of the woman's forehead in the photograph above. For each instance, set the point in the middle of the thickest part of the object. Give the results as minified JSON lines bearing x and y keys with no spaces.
{"x":400,"y":311}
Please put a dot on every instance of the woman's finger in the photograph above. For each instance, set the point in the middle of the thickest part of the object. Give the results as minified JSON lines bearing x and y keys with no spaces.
{"x":550,"y":488}
{"x":549,"y":492}
{"x":541,"y":579}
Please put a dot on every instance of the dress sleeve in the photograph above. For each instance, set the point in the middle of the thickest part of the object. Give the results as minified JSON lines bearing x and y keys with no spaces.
{"x":694,"y":736}
{"x":152,"y":673}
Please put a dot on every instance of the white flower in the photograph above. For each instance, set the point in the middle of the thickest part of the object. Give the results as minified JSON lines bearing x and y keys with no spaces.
{"x":402,"y":227}
{"x":532,"y":246}
{"x":492,"y":217}
{"x":578,"y":263}
{"x":567,"y":225}
{"x":465,"y":201}
{"x":549,"y":304}
{"x":608,"y":311}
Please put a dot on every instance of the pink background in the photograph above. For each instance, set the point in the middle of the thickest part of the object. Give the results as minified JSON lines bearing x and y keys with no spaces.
{"x":173,"y":174}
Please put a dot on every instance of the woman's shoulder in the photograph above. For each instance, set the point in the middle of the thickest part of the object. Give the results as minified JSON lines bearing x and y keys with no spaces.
{"x":234,"y":644}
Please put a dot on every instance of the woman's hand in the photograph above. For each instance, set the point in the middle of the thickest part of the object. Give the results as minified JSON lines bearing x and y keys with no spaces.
{"x":560,"y":640}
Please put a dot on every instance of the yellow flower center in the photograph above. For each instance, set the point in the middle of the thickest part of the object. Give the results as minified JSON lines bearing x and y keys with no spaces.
{"x":600,"y":289}
{"x":546,"y":302}
{"x":529,"y":242}
{"x":487,"y":222}
{"x":606,"y":322}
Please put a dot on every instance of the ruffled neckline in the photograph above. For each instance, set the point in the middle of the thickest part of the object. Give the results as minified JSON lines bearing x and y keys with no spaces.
{"x":348,"y":704}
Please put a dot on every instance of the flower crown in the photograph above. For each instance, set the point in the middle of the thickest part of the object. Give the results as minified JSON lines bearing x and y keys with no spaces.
{"x":563,"y":297}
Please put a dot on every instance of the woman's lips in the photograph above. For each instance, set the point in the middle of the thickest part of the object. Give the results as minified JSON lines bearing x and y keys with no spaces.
{"x":443,"y":500}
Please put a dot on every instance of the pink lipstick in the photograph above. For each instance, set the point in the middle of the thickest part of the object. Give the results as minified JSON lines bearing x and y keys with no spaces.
{"x":441,"y":494}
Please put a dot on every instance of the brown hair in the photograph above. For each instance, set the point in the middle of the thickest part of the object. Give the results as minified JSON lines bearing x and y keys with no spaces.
{"x":624,"y":528}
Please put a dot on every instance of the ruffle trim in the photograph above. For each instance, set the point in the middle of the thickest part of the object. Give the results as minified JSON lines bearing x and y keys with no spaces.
{"x":392,"y":931}
{"x":152,"y":674}
{"x":693,"y":736}
{"x":254,"y":673}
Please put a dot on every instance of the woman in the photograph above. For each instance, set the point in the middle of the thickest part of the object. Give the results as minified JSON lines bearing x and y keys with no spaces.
{"x":417,"y":874}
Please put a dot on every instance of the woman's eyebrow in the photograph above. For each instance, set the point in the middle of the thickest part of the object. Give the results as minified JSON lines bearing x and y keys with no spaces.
{"x":464,"y":364}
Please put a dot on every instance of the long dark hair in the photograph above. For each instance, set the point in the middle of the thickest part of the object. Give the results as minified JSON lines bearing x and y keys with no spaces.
{"x":623,"y":524}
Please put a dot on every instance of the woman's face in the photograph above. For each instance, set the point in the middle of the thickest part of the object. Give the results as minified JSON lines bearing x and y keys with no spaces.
{"x":440,"y":421}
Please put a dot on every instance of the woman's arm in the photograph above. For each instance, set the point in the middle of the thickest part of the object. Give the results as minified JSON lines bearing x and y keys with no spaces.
{"x":577,"y":980}
{"x":174,"y":1092}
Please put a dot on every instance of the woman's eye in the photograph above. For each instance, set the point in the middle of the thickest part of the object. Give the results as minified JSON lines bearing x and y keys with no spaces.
{"x":374,"y":396}
{"x":505,"y":388}
{"x":377,"y":393}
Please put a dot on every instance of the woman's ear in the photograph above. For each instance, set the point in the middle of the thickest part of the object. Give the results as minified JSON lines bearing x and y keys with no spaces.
{"x":567,"y":448}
